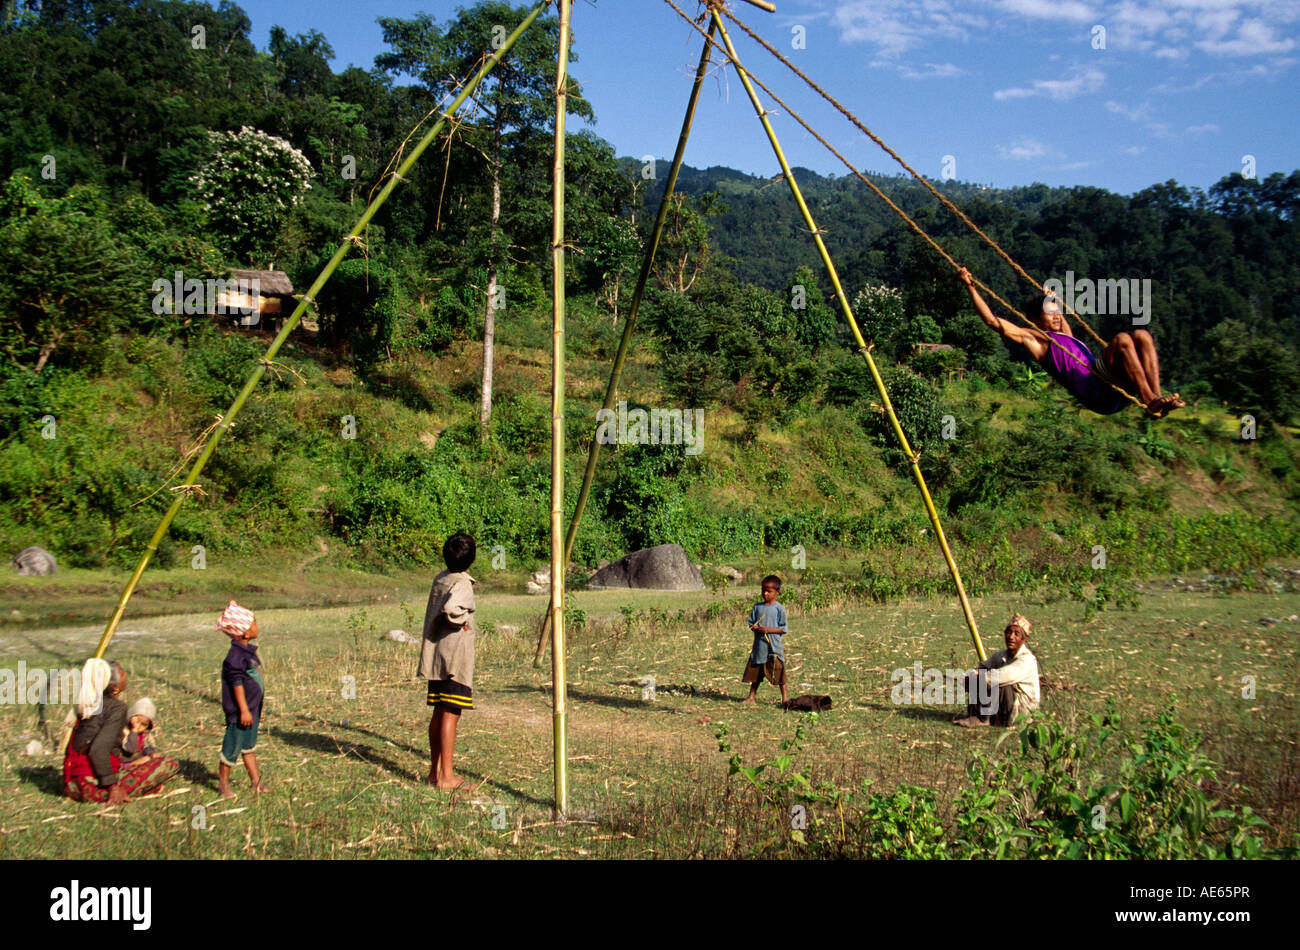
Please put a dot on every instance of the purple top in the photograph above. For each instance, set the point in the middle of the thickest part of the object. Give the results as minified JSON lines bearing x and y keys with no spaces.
{"x":1079,"y":372}
{"x":240,"y":669}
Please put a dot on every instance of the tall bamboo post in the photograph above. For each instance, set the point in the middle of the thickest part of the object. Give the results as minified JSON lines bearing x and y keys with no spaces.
{"x":354,"y":236}
{"x":913,"y":457}
{"x":558,"y":685}
{"x":616,"y":371}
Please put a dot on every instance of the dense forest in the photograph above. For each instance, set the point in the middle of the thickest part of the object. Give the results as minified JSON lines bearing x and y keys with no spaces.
{"x":143,"y":137}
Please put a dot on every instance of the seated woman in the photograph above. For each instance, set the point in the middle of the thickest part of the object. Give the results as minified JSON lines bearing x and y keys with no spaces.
{"x":93,"y":767}
{"x":1129,"y":361}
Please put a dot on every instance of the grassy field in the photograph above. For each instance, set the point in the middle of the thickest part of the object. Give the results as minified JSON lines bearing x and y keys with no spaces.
{"x":646,"y":779}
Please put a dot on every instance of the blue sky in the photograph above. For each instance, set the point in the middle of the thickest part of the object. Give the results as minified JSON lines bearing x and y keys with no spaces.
{"x":1013,"y":91}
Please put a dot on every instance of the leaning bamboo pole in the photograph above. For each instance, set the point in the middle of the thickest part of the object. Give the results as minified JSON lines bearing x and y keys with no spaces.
{"x":616,"y":371}
{"x":558,"y":560}
{"x":913,"y":457}
{"x":190,"y":484}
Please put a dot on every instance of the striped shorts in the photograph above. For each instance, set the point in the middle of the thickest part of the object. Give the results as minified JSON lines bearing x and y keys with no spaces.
{"x":450,"y":696}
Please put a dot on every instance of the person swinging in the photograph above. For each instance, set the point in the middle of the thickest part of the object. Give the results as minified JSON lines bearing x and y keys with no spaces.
{"x":1128,"y":362}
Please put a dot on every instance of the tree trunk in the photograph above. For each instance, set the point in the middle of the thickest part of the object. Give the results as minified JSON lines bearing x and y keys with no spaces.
{"x":489,"y":314}
{"x":46,"y":349}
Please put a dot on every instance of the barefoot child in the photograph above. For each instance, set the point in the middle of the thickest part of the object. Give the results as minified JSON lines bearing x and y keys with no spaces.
{"x":767,"y":658}
{"x":447,"y":657}
{"x":241,"y":697}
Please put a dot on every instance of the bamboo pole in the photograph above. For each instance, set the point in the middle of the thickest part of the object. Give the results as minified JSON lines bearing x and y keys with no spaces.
{"x":863,"y":348}
{"x":616,"y":372}
{"x":558,"y":685}
{"x":191,"y":482}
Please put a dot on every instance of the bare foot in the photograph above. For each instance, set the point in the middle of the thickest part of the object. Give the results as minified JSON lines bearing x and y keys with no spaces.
{"x":261,"y":788}
{"x":1161,"y":406}
{"x":970,"y":722}
{"x":747,"y":702}
{"x":432,"y":778}
{"x":456,"y":783}
{"x":226,"y":792}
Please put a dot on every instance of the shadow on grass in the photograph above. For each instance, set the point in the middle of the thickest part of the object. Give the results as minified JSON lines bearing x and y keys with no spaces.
{"x":916,"y":712}
{"x":196,"y":772}
{"x":45,"y":778}
{"x":317,"y":742}
{"x":632,"y":702}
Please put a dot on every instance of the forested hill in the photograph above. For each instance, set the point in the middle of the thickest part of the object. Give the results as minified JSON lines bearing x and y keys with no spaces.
{"x":1232,"y":253}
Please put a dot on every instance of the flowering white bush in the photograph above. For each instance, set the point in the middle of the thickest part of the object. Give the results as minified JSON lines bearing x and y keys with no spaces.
{"x":248,"y":184}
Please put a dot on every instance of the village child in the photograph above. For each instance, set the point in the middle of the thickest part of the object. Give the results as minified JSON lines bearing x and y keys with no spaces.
{"x":137,"y":736}
{"x":242,"y":692}
{"x":767,"y":657}
{"x":447,"y":657}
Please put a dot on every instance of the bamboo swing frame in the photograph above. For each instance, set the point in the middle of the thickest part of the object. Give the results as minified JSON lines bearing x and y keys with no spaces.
{"x":562,"y":541}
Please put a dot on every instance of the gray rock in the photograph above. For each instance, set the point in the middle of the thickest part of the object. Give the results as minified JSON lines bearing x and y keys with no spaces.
{"x":540,"y":582}
{"x":731,"y":574}
{"x":664,"y":567}
{"x":401,"y":636}
{"x":35,"y":562}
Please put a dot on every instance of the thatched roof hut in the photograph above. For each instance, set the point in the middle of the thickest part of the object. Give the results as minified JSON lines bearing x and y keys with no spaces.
{"x":274,"y":296}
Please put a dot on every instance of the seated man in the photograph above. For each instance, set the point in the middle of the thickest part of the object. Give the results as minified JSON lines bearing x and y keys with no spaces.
{"x":1007,"y":682}
{"x":1129,"y":362}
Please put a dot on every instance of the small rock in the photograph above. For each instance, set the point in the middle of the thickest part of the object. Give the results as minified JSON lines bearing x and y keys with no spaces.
{"x":35,"y":562}
{"x":400,"y":636}
{"x":508,"y":628}
{"x":731,"y":574}
{"x":540,"y":582}
{"x":34,"y":748}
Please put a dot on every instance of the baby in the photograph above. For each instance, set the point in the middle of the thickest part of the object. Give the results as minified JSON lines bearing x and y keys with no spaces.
{"x":139,"y":730}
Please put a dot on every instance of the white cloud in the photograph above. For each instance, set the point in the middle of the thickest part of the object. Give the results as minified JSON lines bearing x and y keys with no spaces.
{"x":894,"y":28}
{"x":1024,"y":149}
{"x":1253,"y":38}
{"x":1070,"y":10}
{"x":1140,"y":113}
{"x":1205,"y":129}
{"x":932,"y":71}
{"x":1168,"y":29}
{"x":1084,"y":79}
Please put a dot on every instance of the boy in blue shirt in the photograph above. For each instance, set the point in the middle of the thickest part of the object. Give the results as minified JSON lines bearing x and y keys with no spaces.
{"x":241,"y":698}
{"x":768,"y":622}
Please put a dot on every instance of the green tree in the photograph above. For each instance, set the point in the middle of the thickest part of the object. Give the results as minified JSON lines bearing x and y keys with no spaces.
{"x":67,"y":282}
{"x":1253,"y":373}
{"x":515,"y":102}
{"x":248,"y":184}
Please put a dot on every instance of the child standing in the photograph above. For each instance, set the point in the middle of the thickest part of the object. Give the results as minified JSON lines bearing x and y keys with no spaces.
{"x":241,"y":697}
{"x":767,"y":658}
{"x":447,"y":657}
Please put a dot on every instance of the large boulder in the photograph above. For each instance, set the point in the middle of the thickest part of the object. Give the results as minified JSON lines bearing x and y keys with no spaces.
{"x":663,"y":567}
{"x":34,"y":562}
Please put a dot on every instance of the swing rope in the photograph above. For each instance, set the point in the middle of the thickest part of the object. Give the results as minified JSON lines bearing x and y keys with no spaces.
{"x":947,"y":202}
{"x":921,"y":232}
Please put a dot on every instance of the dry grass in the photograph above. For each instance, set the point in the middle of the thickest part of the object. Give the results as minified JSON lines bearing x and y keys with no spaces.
{"x":645,"y":779}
